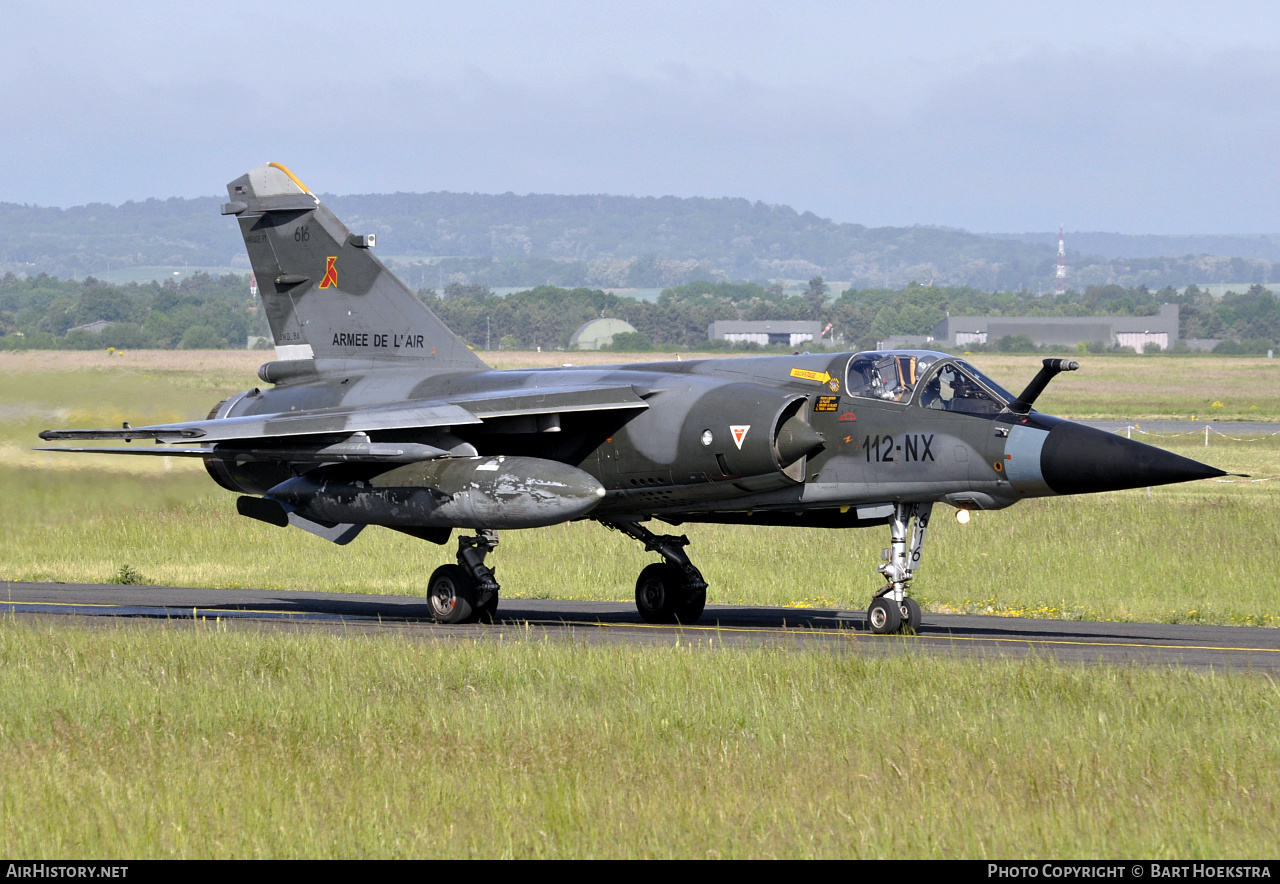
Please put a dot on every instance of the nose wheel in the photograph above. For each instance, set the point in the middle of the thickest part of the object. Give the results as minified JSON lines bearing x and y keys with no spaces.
{"x":884,"y":616}
{"x":892,"y":610}
{"x":910,"y":610}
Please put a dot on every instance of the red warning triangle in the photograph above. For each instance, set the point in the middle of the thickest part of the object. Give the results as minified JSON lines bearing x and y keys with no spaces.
{"x":739,"y":432}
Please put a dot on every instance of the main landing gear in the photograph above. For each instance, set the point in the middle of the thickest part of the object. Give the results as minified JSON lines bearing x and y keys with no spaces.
{"x":892,"y":610}
{"x":466,"y":592}
{"x":673,"y":591}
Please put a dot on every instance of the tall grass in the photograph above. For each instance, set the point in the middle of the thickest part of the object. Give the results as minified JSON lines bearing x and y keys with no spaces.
{"x":211,"y":739}
{"x":146,"y":741}
{"x":1149,"y":388}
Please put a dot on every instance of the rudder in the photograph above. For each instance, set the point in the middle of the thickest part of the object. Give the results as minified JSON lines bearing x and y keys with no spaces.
{"x":326,"y":295}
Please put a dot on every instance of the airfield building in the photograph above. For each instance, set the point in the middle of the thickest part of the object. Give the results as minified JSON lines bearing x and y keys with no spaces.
{"x":96,"y":327}
{"x":598,"y":333}
{"x":764,"y":332}
{"x":1123,"y":331}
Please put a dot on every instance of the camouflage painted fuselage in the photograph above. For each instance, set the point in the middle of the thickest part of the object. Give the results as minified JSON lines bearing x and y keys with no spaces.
{"x":676,"y":454}
{"x":376,"y":413}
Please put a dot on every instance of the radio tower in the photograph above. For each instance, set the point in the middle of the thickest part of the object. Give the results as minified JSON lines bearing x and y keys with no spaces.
{"x":1060,"y":282}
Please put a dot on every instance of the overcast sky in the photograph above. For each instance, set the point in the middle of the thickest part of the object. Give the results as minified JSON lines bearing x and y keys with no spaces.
{"x":1130,"y":117}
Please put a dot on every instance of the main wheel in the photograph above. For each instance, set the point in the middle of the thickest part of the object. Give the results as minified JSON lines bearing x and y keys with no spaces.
{"x":452,"y":596}
{"x":690,"y":607}
{"x":911,"y":617}
{"x":659,"y":592}
{"x":884,"y":616}
{"x":488,"y":612}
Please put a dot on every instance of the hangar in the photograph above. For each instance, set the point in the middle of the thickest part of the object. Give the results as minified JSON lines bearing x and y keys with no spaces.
{"x":764,"y":333}
{"x":598,"y":333}
{"x":1123,"y":331}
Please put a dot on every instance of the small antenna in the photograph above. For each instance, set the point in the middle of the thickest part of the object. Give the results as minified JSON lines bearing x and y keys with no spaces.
{"x":1060,"y":281}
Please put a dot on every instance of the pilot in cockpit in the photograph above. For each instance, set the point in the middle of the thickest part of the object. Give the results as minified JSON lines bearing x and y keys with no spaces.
{"x":890,"y":377}
{"x":940,"y":392}
{"x":953,"y":389}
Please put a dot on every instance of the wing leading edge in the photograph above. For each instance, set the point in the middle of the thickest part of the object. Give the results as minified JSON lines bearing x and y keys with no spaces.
{"x":424,"y":414}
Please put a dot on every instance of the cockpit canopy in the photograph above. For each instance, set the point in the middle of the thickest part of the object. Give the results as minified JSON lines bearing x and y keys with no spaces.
{"x":927,"y":378}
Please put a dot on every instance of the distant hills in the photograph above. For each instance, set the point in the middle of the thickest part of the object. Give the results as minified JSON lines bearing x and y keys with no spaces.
{"x":1262,"y":246}
{"x":615,"y":242}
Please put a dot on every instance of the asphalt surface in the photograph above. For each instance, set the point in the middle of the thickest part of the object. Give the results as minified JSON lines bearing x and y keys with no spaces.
{"x":1219,"y":647}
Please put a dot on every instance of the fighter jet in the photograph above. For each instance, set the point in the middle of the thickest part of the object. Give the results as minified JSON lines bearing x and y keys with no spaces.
{"x":375,"y":413}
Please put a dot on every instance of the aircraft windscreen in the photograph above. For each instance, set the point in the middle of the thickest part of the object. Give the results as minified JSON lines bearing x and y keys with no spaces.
{"x":954,"y":388}
{"x":987,"y":382}
{"x":891,"y":376}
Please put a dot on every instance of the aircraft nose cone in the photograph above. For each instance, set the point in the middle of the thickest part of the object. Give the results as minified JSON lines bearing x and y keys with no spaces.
{"x":795,"y":440}
{"x":1077,"y":459}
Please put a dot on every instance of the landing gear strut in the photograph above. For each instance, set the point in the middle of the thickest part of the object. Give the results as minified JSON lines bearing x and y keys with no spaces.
{"x":466,"y":592}
{"x":892,"y":610}
{"x":673,"y":591}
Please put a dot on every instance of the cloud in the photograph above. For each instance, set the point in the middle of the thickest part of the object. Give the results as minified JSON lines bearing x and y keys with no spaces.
{"x":1143,"y":138}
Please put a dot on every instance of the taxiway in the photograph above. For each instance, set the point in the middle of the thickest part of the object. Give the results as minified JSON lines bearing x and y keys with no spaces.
{"x":1225,"y":647}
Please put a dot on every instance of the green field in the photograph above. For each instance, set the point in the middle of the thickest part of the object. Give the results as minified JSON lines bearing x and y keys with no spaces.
{"x":196,"y":741}
{"x":1139,"y":388}
{"x":211,"y":739}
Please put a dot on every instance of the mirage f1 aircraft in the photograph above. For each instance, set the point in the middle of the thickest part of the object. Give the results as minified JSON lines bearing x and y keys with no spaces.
{"x":375,"y":413}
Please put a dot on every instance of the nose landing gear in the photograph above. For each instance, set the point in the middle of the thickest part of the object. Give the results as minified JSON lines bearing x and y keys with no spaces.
{"x":892,"y":610}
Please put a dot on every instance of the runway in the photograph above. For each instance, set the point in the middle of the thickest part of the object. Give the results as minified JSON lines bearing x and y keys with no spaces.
{"x":1152,"y":644}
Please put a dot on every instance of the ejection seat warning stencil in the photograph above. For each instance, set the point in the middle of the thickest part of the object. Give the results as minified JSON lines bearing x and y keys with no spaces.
{"x":804,"y":374}
{"x":739,"y":432}
{"x":827,"y":403}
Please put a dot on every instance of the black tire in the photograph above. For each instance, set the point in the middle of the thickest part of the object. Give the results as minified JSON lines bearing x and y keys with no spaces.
{"x":488,"y":612}
{"x":911,"y":617}
{"x":659,"y":591}
{"x":452,"y":596}
{"x":884,"y":616}
{"x":689,"y":609}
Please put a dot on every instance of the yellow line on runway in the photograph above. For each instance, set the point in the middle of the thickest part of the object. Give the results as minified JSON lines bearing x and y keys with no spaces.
{"x":779,"y":630}
{"x":1098,"y":644}
{"x":76,"y":604}
{"x":844,"y":633}
{"x":159,"y":607}
{"x":771,"y":630}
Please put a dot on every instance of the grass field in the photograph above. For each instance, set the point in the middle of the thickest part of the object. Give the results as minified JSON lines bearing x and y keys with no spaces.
{"x":1141,"y":388}
{"x":1201,"y":552}
{"x":153,"y":741}
{"x":1105,"y":387}
{"x":213,"y":740}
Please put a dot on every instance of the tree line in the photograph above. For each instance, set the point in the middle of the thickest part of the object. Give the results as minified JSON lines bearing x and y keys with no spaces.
{"x":199,"y":312}
{"x":548,"y":316}
{"x":203,"y":311}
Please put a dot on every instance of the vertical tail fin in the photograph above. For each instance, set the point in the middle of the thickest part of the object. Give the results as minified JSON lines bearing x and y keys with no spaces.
{"x":327,"y":296}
